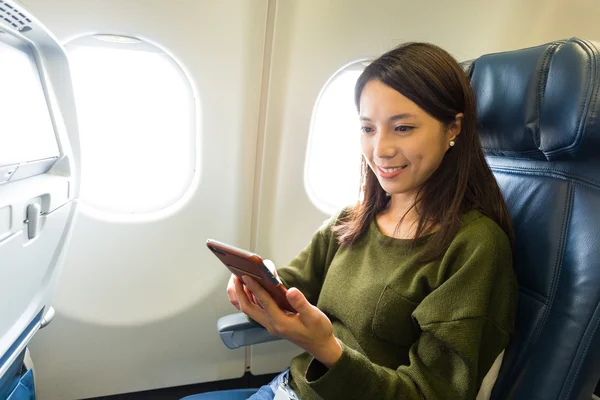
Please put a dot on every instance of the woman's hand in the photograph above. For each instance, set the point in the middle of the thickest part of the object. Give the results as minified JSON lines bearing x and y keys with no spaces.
{"x":309,"y":328}
{"x":231,"y":286}
{"x":231,"y":293}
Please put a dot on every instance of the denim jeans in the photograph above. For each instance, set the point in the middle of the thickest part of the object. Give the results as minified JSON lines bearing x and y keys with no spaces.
{"x":267,"y":392}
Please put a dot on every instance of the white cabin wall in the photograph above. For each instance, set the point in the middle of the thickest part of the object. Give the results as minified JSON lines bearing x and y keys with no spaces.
{"x":138,"y":301}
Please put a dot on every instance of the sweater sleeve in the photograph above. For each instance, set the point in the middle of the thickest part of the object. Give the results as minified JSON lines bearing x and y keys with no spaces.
{"x":465,"y":324}
{"x":307,"y":271}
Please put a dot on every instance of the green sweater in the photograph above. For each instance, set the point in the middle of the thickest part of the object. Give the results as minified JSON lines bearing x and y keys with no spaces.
{"x":407,"y":331}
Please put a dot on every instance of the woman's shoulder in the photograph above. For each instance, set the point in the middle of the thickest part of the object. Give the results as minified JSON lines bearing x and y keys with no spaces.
{"x":479,"y":246}
{"x":479,"y":230}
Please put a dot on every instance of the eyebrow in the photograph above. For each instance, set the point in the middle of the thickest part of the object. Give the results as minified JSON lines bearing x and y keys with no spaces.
{"x":392,"y":118}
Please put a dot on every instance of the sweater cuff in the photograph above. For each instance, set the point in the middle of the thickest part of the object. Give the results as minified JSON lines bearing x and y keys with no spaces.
{"x":345,"y":379}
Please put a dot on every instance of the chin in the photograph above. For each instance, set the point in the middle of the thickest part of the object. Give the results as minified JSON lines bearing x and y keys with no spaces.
{"x":398,"y":190}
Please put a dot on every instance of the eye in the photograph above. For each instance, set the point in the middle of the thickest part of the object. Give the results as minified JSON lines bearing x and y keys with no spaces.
{"x":404,"y":128}
{"x":366,"y":129}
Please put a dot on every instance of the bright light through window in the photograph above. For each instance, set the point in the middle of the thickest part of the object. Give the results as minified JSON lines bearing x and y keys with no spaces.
{"x":136,"y":116}
{"x":332,"y":173}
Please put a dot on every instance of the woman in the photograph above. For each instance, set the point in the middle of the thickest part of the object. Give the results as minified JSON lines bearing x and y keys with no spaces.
{"x":411,"y":293}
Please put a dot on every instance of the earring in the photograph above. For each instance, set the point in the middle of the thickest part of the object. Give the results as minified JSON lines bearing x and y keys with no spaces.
{"x":452,"y":143}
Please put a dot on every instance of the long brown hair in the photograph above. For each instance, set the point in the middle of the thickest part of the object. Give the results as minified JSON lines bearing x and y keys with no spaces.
{"x":432,"y":79}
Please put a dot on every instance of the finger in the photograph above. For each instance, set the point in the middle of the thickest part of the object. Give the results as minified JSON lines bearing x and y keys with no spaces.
{"x":250,"y":295}
{"x":264,"y":298}
{"x":231,"y":292}
{"x":246,"y":305}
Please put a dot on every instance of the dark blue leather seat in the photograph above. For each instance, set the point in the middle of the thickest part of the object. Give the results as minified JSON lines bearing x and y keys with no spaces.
{"x":538,"y":109}
{"x":539,"y":114}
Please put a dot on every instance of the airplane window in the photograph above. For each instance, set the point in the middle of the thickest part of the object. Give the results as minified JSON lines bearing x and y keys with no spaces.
{"x":332,"y":168}
{"x":136,"y":114}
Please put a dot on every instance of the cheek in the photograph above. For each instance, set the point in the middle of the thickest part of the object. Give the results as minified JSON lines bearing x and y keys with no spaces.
{"x":425,"y":155}
{"x":433,"y":160}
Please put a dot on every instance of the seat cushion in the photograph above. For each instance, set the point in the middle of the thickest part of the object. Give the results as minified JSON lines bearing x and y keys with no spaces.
{"x":239,"y":394}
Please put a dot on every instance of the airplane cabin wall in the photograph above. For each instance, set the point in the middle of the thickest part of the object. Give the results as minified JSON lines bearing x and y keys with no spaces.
{"x":144,"y":316}
{"x":138,"y":300}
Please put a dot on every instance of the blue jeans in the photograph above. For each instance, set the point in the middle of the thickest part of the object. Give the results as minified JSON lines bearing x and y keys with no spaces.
{"x":267,"y":392}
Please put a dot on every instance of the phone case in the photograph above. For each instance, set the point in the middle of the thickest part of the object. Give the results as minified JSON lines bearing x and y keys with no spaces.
{"x":242,"y":262}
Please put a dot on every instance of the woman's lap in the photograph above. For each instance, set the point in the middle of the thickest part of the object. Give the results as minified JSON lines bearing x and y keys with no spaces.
{"x":267,"y":392}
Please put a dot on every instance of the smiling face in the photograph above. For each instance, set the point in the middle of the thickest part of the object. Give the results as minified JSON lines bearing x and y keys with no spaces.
{"x":402,"y":144}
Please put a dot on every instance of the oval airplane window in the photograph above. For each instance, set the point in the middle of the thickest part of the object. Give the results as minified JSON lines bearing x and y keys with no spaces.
{"x":332,"y":168}
{"x":137,"y":122}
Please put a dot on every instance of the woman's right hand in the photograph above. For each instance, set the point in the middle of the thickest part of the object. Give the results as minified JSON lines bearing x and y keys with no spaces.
{"x":231,"y":286}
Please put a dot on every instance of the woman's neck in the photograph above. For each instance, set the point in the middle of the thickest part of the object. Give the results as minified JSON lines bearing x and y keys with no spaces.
{"x":400,"y":207}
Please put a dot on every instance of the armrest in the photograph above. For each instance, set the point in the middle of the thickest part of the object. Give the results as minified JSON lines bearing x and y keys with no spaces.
{"x":236,"y":330}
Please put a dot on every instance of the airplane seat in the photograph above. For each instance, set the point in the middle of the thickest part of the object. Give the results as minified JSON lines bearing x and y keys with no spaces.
{"x":538,"y":111}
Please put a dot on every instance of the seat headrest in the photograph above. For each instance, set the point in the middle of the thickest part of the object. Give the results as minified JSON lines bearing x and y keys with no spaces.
{"x":541,"y":102}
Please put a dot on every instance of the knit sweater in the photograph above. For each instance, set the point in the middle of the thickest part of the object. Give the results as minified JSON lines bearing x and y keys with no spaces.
{"x":407,"y":330}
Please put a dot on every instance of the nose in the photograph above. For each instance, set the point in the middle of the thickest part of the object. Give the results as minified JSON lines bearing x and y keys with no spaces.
{"x":384,"y":146}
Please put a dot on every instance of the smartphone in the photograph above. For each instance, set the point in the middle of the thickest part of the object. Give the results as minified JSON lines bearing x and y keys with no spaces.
{"x":242,"y":262}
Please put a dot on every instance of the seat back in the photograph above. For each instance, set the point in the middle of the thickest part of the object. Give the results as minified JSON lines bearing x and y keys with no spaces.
{"x":538,"y":113}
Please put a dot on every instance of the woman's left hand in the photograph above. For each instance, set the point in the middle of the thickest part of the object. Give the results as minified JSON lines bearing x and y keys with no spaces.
{"x":309,"y":328}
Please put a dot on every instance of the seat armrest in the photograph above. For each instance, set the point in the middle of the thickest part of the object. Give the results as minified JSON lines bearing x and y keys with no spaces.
{"x":236,"y":330}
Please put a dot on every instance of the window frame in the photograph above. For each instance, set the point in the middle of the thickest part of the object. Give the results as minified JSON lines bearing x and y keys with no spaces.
{"x":323,"y":205}
{"x":192,"y":185}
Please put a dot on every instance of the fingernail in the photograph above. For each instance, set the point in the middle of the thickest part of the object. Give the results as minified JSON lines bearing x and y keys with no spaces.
{"x":245,"y":279}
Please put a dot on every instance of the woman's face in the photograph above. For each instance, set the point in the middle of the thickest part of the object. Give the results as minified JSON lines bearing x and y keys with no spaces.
{"x":402,"y":144}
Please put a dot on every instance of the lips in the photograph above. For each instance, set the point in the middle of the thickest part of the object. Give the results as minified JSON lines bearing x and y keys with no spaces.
{"x":390,"y":172}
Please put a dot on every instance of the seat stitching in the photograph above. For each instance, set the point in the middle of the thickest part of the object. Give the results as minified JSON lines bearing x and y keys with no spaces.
{"x":534,"y":295}
{"x":554,"y":173}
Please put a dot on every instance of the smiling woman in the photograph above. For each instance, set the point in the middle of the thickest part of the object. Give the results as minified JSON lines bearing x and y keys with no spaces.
{"x":372,"y":288}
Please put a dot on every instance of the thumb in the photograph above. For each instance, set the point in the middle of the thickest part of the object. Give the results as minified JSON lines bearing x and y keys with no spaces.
{"x":299,"y":302}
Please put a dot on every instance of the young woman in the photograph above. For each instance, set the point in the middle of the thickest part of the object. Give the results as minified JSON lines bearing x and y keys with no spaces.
{"x":410,"y":294}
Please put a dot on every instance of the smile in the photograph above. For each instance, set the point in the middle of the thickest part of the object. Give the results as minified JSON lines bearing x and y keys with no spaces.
{"x":388,"y":173}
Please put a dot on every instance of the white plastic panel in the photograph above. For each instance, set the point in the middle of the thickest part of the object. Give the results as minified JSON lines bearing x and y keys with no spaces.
{"x":5,"y":221}
{"x":7,"y":172}
{"x":27,"y":267}
{"x":27,"y":133}
{"x":314,"y":38}
{"x":138,"y":300}
{"x":37,"y":211}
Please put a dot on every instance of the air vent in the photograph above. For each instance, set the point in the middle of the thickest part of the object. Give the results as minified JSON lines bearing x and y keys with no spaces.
{"x":14,"y":17}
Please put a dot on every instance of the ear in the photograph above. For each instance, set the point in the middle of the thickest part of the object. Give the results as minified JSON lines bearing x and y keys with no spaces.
{"x":455,"y":126}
